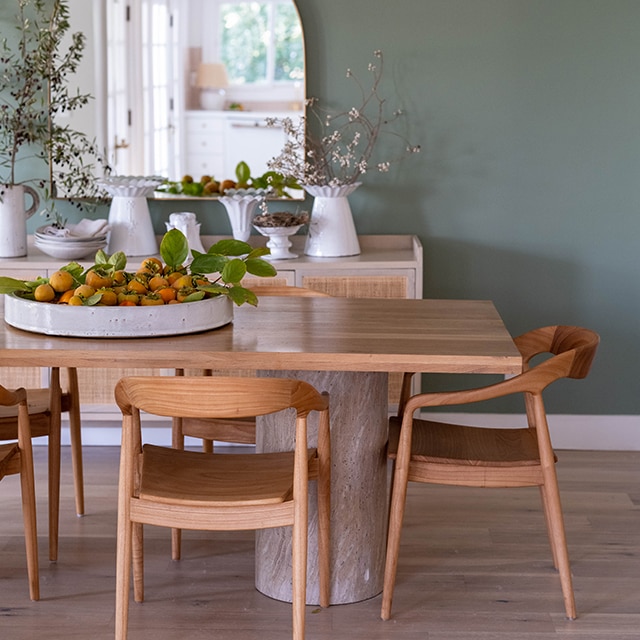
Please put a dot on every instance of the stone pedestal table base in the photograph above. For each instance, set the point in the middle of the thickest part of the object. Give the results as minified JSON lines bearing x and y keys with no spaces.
{"x":359,"y":425}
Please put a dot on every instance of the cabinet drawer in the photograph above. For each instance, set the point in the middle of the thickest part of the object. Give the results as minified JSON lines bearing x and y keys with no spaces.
{"x":204,"y":125}
{"x":201,"y":164}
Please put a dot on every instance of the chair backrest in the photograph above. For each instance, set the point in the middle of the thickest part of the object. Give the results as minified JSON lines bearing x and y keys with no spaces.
{"x":216,"y":397}
{"x":580,"y":344}
{"x":572,"y":349}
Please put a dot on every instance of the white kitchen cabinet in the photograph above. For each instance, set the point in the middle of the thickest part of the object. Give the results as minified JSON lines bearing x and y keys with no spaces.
{"x":217,"y":140}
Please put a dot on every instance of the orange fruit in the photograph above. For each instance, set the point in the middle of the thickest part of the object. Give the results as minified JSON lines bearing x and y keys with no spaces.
{"x":168,"y":294}
{"x":66,"y":296}
{"x":44,"y":293}
{"x":172,"y":276}
{"x":138,"y":285}
{"x":127,"y":303}
{"x":128,"y":296}
{"x":156,"y":282}
{"x":61,"y":281}
{"x":76,"y":301}
{"x":98,"y":279}
{"x":151,"y":265}
{"x":151,"y":299}
{"x":120,"y":277}
{"x":182,"y":282}
{"x":84,"y":291}
{"x":109,"y":297}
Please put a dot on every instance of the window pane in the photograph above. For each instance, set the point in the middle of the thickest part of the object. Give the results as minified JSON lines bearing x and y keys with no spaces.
{"x":244,"y":29}
{"x":289,"y":63}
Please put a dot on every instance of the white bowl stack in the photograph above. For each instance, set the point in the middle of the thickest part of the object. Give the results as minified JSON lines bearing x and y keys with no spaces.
{"x":74,"y":241}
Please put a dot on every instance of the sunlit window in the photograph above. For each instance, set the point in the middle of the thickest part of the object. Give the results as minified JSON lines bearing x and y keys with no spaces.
{"x":261,"y":42}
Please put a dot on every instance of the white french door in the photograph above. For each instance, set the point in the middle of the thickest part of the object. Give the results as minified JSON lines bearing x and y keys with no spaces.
{"x":143,"y":97}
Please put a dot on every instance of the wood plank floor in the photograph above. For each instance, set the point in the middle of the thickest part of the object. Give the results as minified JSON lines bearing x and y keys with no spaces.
{"x":474,"y":565}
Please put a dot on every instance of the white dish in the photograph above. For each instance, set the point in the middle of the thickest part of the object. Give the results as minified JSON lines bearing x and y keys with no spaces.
{"x":68,"y":240}
{"x":117,"y":322}
{"x":69,"y":252}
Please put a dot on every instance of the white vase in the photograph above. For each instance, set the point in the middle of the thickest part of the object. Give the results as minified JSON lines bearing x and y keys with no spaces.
{"x":241,"y":205}
{"x":13,"y":219}
{"x":129,"y":218}
{"x":332,"y":232}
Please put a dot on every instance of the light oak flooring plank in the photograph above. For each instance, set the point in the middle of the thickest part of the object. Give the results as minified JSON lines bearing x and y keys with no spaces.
{"x":474,"y":565}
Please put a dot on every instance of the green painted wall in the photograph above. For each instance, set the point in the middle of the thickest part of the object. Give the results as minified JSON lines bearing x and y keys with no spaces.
{"x":527,"y":190}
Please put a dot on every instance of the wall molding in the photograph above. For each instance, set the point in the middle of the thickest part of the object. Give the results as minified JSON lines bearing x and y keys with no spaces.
{"x":588,"y":432}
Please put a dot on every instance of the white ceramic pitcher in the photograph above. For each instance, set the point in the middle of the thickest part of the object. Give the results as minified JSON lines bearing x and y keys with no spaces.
{"x":187,"y":222}
{"x":13,"y":219}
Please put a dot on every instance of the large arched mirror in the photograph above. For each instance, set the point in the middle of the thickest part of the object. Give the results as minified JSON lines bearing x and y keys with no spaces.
{"x":187,"y":85}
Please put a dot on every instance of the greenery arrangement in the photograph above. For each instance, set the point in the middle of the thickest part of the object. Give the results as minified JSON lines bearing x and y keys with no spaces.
{"x":336,"y":149}
{"x":34,"y":73}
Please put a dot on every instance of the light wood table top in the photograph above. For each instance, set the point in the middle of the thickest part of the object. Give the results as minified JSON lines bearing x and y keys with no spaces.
{"x":312,"y":334}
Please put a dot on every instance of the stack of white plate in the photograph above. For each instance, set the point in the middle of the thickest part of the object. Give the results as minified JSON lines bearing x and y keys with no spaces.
{"x":69,"y":245}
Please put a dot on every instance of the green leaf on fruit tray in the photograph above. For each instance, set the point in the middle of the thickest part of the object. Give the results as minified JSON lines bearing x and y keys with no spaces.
{"x":114,"y":262}
{"x":213,"y":288}
{"x":208,"y":263}
{"x":259,"y":252}
{"x":74,"y":269}
{"x":10,"y":285}
{"x":194,"y":297}
{"x":174,"y":248}
{"x":230,"y":247}
{"x":240,"y":295}
{"x":259,"y":267}
{"x":234,"y":271}
{"x":93,"y":300}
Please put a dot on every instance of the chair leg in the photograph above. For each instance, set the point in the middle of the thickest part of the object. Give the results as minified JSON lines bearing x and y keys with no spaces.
{"x":177,"y":442}
{"x":123,"y":578}
{"x":76,"y":439}
{"x":558,"y":540}
{"x":299,"y":585}
{"x":27,"y":484}
{"x":54,"y":464}
{"x":396,"y":515}
{"x":138,"y":562}
{"x":547,"y":521}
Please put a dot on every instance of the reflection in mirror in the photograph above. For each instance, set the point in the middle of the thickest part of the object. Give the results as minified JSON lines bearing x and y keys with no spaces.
{"x":190,"y":83}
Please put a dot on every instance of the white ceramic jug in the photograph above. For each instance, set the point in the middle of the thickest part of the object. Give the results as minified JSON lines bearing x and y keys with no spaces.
{"x":186,"y":222}
{"x":13,"y":219}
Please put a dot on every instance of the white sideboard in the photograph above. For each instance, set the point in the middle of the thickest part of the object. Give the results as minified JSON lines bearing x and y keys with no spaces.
{"x":390,"y":266}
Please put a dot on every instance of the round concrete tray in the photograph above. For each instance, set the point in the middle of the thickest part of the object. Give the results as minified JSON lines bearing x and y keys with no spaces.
{"x":117,"y":322}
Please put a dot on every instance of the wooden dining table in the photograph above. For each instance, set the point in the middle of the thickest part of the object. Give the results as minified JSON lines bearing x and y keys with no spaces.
{"x":345,"y":346}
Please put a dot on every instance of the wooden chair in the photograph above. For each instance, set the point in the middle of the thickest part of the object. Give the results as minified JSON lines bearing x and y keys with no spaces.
{"x":433,"y":452}
{"x":197,"y":490}
{"x":45,"y":408}
{"x":18,"y":458}
{"x":232,"y":430}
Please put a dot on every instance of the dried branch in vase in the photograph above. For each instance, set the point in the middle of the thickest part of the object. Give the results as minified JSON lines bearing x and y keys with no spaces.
{"x":327,"y":149}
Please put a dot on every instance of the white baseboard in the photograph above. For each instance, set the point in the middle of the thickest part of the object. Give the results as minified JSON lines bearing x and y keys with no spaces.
{"x":593,"y":433}
{"x":611,"y":433}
